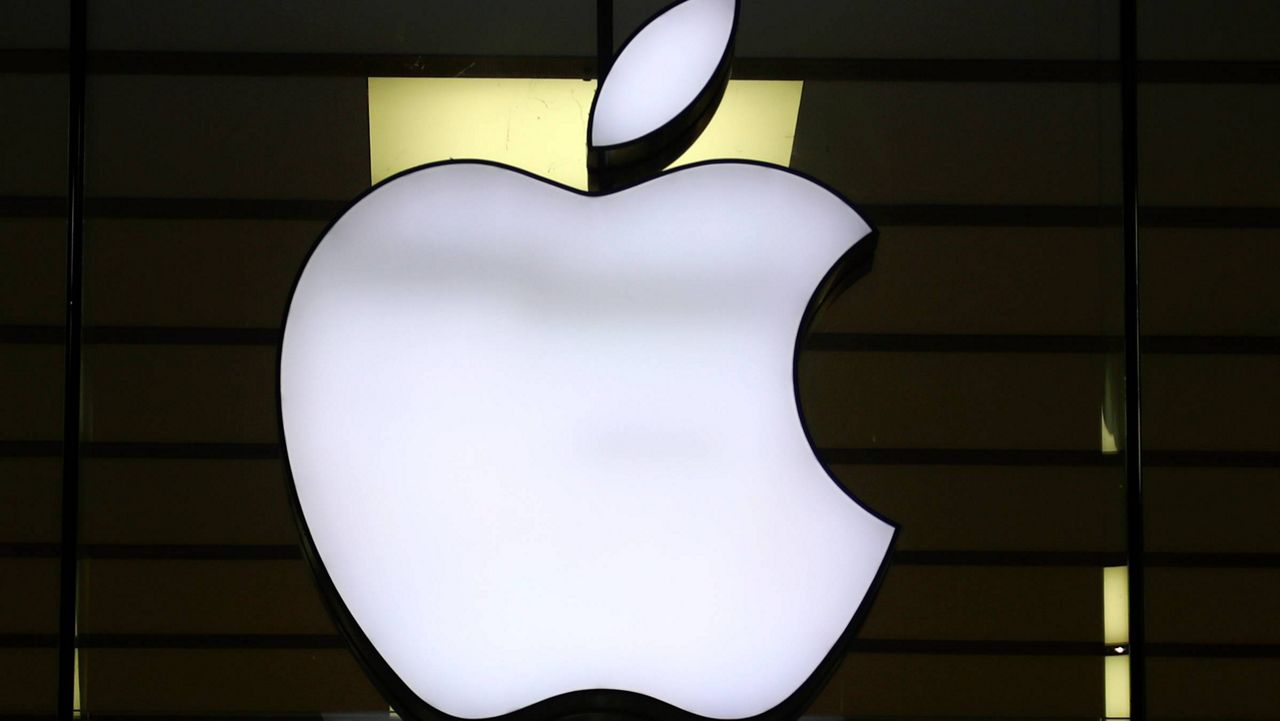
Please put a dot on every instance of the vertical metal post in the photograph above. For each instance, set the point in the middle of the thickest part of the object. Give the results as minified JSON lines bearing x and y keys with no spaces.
{"x":68,"y":574}
{"x":604,"y":37}
{"x":1132,"y":361}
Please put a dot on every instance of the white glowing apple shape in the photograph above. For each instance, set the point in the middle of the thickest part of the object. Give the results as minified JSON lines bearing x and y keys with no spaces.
{"x":546,"y":441}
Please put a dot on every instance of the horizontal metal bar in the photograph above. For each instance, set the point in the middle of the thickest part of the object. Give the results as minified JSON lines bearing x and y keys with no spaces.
{"x":966,"y":457}
{"x":940,"y":647}
{"x":30,"y":449}
{"x":343,"y":716}
{"x":1192,"y":559}
{"x":1211,"y":345}
{"x":159,"y":551}
{"x":960,"y":343}
{"x":134,"y":62}
{"x":104,"y":449}
{"x":960,"y":70}
{"x":35,"y":61}
{"x":33,"y":334}
{"x":125,"y":62}
{"x":1030,"y":343}
{"x":1210,"y":459}
{"x":30,"y":550}
{"x":385,"y":715}
{"x":943,"y":717}
{"x":195,"y":451}
{"x":224,"y":552}
{"x":980,"y":648}
{"x":1057,"y":559}
{"x":240,"y":716}
{"x":1024,"y":559}
{"x":1088,"y":559}
{"x":178,"y":335}
{"x":320,"y":210}
{"x":835,"y":456}
{"x":210,"y":641}
{"x":191,"y":552}
{"x":32,"y":206}
{"x":1009,"y":216}
{"x":1214,"y":650}
{"x":965,"y":70}
{"x":1033,"y":457}
{"x":815,"y":342}
{"x":28,"y":640}
{"x":1077,"y":216}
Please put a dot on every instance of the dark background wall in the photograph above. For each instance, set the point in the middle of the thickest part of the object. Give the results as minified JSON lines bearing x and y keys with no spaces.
{"x":961,"y":388}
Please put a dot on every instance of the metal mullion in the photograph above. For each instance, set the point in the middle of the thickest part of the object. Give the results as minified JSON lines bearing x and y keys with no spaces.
{"x":1135,"y":539}
{"x":604,"y":37}
{"x":68,"y":571}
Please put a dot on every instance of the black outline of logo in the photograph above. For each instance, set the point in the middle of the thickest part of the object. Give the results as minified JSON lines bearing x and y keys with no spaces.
{"x":623,"y":164}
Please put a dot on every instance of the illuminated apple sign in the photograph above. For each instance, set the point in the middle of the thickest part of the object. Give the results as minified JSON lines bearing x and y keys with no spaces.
{"x":544,"y":445}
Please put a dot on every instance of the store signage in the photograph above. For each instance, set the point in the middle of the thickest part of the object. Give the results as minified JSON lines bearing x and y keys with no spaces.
{"x":544,"y":444}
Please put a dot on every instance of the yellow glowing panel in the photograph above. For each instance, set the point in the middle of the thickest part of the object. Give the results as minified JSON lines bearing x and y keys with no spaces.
{"x":1112,"y":406}
{"x":756,"y":121}
{"x":1115,"y":605}
{"x":1107,"y":436}
{"x":1115,"y":632}
{"x":540,"y":125}
{"x":1117,"y":685}
{"x":536,"y":125}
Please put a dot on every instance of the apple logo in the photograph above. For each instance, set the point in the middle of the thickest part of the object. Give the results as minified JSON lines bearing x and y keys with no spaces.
{"x":544,"y":446}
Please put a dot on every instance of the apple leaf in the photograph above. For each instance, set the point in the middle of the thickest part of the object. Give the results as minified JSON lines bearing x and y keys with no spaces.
{"x":662,"y":89}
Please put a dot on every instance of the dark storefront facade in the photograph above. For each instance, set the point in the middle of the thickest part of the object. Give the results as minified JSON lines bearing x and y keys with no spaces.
{"x":972,"y":387}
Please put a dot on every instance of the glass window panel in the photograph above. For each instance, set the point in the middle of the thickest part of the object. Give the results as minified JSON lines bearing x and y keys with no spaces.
{"x":1227,"y":688}
{"x":917,"y":143}
{"x":972,"y":400}
{"x":984,"y":280}
{"x":184,"y":272}
{"x":986,"y":602}
{"x":30,"y":509}
{"x":968,"y":29}
{"x":1209,"y":144}
{"x":179,"y":136}
{"x":34,"y":119}
{"x":1208,"y":30}
{"x":1013,"y":508}
{"x":485,"y":27}
{"x":1213,"y":605}
{"x":940,"y":686}
{"x":225,"y":681}
{"x":32,"y":273}
{"x":33,"y":236}
{"x":210,"y":181}
{"x":1210,"y":282}
{"x":186,"y":502}
{"x":173,"y":597}
{"x":1208,"y":179}
{"x":1212,"y":402}
{"x":182,"y":393}
{"x":31,"y":383}
{"x":28,"y":680}
{"x":1212,"y":510}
